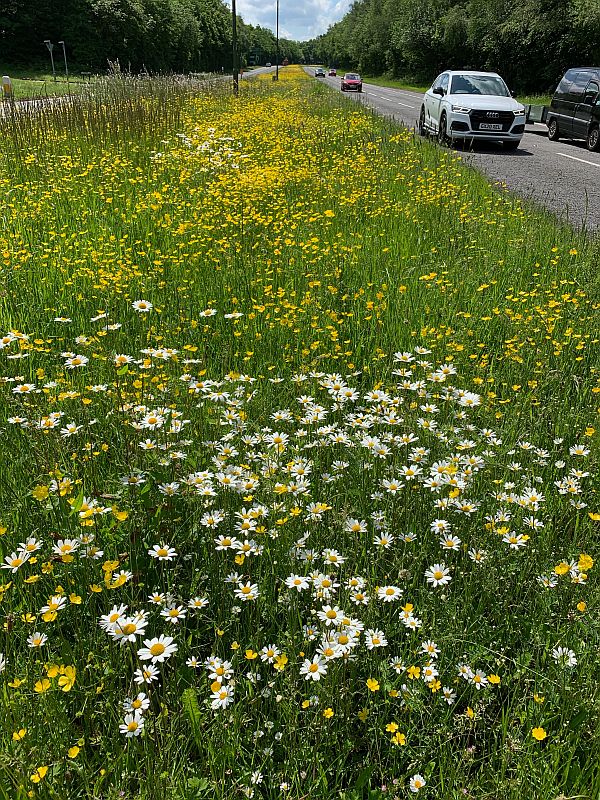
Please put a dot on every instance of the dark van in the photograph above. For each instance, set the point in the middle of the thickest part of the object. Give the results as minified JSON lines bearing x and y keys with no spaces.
{"x":575,"y":109}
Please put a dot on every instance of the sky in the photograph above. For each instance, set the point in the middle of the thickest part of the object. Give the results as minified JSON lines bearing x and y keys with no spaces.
{"x":298,"y":19}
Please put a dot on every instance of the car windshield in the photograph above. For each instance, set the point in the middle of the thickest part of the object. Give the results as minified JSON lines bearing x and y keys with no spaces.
{"x":479,"y":84}
{"x":351,"y":76}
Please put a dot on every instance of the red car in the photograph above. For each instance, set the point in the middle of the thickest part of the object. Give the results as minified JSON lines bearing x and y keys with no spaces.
{"x":351,"y":82}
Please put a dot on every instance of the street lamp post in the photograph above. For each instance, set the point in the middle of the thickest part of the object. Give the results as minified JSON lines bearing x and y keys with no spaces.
{"x":50,"y":47}
{"x":236,"y":85}
{"x":65,"y":57}
{"x":277,"y":44}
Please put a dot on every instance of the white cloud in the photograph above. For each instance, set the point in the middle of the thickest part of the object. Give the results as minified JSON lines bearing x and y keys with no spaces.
{"x":298,"y":19}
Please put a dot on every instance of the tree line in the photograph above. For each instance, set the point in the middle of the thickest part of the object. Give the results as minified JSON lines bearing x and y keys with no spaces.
{"x":530,"y":42}
{"x":156,"y":35}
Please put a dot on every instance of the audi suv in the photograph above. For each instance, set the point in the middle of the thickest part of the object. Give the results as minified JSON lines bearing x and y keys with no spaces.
{"x":472,"y":106}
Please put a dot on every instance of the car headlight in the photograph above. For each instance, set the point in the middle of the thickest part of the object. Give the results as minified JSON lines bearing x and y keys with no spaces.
{"x":520,"y":112}
{"x":461,"y":110}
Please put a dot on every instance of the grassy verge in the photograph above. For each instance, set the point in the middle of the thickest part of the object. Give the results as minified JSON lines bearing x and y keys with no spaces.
{"x":535,"y":99}
{"x":393,"y":83}
{"x":308,"y":398}
{"x":30,"y":83}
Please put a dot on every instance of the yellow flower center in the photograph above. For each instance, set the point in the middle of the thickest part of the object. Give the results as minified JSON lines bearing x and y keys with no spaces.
{"x":313,"y":668}
{"x":132,"y":726}
{"x":157,"y":649}
{"x":162,"y":551}
{"x":130,"y":627}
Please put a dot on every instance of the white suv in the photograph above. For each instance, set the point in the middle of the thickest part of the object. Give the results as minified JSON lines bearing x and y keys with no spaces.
{"x":467,"y":106}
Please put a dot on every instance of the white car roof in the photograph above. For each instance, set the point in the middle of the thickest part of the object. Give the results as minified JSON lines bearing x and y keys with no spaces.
{"x":470,"y":72}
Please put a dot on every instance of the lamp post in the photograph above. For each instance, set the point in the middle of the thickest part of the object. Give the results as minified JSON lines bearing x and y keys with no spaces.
{"x":50,"y":47}
{"x":236,"y":85}
{"x":65,"y":57}
{"x":277,"y":42}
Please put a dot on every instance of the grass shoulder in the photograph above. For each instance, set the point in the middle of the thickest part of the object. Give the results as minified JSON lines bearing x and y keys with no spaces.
{"x":396,"y":83}
{"x":415,"y":86}
{"x":34,"y":81}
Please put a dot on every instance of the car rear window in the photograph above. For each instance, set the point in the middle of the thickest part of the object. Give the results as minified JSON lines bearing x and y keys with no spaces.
{"x":580,"y":81}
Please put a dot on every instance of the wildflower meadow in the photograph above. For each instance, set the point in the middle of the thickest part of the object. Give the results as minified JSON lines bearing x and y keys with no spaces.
{"x":299,"y":475}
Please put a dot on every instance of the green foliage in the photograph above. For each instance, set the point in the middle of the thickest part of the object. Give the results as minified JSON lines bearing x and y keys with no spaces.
{"x":531,"y":42}
{"x":156,"y":35}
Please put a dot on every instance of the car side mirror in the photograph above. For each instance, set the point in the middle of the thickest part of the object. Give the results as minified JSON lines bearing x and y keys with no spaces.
{"x":439,"y":91}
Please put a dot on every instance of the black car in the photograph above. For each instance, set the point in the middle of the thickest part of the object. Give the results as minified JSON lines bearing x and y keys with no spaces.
{"x":575,"y":109}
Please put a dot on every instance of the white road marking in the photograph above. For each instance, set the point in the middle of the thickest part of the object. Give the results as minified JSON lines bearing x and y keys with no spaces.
{"x":391,"y":100}
{"x":583,"y":160}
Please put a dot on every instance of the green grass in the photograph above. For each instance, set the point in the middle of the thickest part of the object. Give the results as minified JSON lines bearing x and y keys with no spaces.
{"x":393,"y":83}
{"x":535,"y":99}
{"x":32,"y":82}
{"x":327,"y":240}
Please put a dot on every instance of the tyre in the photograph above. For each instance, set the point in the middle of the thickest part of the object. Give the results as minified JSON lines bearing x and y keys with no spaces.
{"x":512,"y":145}
{"x":553,"y":133}
{"x":422,"y":131}
{"x":593,"y":139}
{"x":360,"y":91}
{"x":443,"y":137}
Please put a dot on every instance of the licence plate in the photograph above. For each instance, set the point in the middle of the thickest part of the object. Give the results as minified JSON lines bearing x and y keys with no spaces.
{"x":490,"y":126}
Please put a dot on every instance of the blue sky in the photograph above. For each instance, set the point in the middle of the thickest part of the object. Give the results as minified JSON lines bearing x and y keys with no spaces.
{"x":298,"y":19}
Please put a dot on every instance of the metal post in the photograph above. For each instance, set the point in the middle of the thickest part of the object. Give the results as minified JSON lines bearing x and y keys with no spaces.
{"x":277,"y":40}
{"x":236,"y":85}
{"x":65,"y":57}
{"x":50,"y":47}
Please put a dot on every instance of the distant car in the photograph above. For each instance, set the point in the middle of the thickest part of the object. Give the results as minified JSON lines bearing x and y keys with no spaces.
{"x":319,"y":72}
{"x":332,"y":73}
{"x":351,"y":82}
{"x":468,"y":105}
{"x":268,"y":64}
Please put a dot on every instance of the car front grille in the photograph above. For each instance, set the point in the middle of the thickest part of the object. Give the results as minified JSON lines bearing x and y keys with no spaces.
{"x":504,"y":118}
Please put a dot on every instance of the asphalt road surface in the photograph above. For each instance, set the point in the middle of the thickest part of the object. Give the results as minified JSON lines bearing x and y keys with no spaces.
{"x":563,"y":176}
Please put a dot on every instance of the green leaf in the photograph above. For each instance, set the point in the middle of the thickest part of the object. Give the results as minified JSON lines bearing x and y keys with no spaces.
{"x":364,"y":777}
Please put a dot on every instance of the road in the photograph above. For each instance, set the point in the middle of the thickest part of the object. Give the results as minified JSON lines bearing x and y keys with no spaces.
{"x":563,"y":176}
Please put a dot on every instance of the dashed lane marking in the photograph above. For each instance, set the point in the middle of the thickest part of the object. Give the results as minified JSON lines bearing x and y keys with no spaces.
{"x":391,"y":100}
